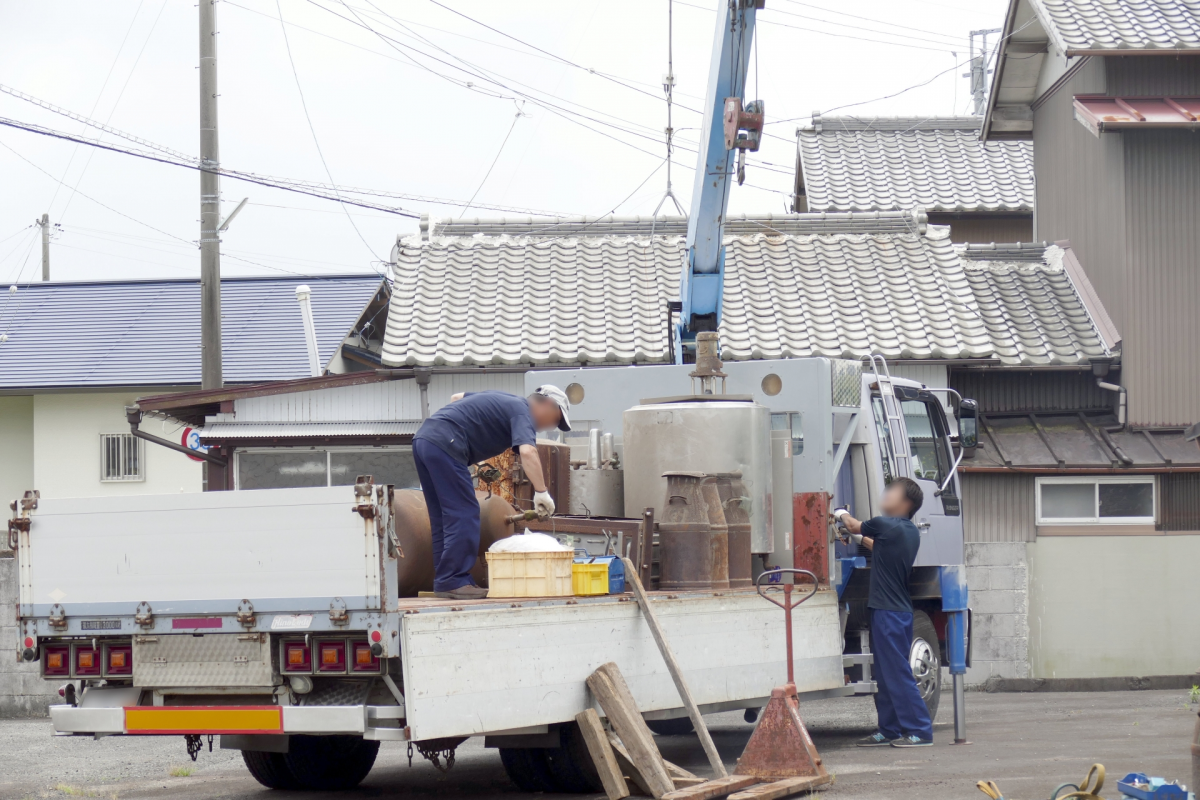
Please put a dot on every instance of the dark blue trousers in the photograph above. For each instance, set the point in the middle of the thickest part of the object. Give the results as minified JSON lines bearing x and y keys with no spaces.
{"x":453,"y":515}
{"x":901,"y":710}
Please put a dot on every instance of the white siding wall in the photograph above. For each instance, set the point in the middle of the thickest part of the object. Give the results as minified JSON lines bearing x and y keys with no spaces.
{"x":442,"y":386}
{"x":66,"y":447}
{"x":16,"y":448}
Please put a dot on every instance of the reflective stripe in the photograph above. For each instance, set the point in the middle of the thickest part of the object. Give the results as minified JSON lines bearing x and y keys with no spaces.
{"x":204,"y":719}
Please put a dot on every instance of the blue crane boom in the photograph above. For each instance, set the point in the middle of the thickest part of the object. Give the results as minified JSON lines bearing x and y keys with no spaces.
{"x":729,"y":124}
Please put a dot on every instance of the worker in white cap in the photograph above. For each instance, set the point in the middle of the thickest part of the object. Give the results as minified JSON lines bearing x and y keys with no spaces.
{"x":474,"y":427}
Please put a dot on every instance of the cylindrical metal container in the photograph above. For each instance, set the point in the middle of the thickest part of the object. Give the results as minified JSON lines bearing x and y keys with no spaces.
{"x":414,"y":572}
{"x":690,"y":551}
{"x":593,"y":459}
{"x":781,"y":500}
{"x":733,"y":497}
{"x":713,"y":436}
{"x":597,"y":493}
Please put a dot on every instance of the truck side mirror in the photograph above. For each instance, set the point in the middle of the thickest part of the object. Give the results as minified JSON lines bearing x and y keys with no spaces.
{"x":968,"y":427}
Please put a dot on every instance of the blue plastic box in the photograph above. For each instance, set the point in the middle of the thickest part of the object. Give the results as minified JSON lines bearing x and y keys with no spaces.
{"x":616,"y":570}
{"x":1159,"y":789}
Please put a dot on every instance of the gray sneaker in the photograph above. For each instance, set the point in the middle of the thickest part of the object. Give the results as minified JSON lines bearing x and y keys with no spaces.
{"x":468,"y":592}
{"x":876,"y":739}
{"x":912,"y":741}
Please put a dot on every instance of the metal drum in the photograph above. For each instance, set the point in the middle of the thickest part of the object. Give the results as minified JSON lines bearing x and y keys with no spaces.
{"x":711,"y":436}
{"x":693,"y":536}
{"x":414,"y":572}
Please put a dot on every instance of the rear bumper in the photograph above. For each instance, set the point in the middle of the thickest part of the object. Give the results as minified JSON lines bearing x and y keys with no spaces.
{"x":371,"y":722}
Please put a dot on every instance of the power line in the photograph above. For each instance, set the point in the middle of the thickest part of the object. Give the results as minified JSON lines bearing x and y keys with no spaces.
{"x":299,"y":90}
{"x":959,"y":39}
{"x":495,"y":160}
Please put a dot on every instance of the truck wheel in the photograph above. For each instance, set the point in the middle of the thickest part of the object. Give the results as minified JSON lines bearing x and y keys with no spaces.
{"x":679,"y":726}
{"x":527,"y":768}
{"x":925,"y":662}
{"x":571,"y":764}
{"x":330,"y":763}
{"x":270,"y":769}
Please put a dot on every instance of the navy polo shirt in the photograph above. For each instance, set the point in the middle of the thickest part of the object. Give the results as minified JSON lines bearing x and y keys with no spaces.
{"x":480,"y":426}
{"x":896,"y":544}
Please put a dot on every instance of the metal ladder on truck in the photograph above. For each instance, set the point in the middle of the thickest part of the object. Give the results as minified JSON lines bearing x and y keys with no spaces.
{"x":892,"y":415}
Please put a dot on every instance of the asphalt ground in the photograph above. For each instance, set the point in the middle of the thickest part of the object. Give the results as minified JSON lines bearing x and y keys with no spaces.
{"x":1027,"y":743}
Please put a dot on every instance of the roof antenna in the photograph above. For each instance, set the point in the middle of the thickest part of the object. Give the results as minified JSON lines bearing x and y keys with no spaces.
{"x":669,"y":90}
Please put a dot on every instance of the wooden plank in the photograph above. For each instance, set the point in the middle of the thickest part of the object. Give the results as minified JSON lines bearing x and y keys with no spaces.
{"x":626,"y":764}
{"x":710,"y":749}
{"x":596,"y":739}
{"x":614,"y":697}
{"x":783,"y":788}
{"x":676,"y":771}
{"x":683,"y":783}
{"x":717,"y":787}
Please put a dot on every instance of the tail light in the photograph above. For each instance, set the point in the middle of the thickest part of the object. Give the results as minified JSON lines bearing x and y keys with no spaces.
{"x":87,"y":661}
{"x":297,"y":657}
{"x":331,"y":656}
{"x":56,"y":660}
{"x":364,"y":660}
{"x":118,"y":660}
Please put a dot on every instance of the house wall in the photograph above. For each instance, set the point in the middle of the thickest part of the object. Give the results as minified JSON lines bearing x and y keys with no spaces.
{"x":1113,"y":606}
{"x":66,"y":452}
{"x":985,"y":228}
{"x":16,"y":447}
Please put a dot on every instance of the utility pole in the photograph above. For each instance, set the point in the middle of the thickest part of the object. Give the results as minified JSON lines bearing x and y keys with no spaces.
{"x":45,"y":226}
{"x":979,"y":70}
{"x":210,"y":204}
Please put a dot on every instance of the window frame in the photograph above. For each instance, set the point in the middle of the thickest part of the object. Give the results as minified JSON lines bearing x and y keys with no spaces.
{"x":329,"y":451}
{"x":140,"y":448}
{"x":1096,"y":481}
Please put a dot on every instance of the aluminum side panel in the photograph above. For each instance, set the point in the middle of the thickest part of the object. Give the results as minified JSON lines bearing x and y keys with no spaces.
{"x":474,"y":672}
{"x":114,"y":552}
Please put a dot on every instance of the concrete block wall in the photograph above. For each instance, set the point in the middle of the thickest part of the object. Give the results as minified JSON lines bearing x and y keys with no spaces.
{"x":998,"y":584}
{"x":23,"y":693}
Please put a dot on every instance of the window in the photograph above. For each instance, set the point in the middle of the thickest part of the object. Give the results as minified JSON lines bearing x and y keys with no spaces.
{"x":927,"y":440}
{"x":299,"y":467}
{"x":885,"y":440}
{"x":1102,"y":500}
{"x":122,"y":458}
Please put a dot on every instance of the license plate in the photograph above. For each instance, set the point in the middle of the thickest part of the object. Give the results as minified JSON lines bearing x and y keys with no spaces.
{"x":203,"y":719}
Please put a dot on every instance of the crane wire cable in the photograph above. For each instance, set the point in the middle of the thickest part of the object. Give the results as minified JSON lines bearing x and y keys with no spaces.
{"x":316,"y":142}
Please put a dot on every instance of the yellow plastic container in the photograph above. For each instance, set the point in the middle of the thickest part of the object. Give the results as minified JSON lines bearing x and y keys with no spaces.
{"x":589,"y":579}
{"x":530,"y":574}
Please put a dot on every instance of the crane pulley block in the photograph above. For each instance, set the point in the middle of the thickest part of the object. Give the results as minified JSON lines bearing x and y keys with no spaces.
{"x":743,"y":126}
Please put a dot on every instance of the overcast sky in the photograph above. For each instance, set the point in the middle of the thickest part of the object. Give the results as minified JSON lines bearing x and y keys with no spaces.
{"x":410,"y":98}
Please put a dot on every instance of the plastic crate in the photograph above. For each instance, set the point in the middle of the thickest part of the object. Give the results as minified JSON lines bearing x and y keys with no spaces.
{"x":529,"y":574}
{"x":616,"y":573}
{"x":589,"y":577}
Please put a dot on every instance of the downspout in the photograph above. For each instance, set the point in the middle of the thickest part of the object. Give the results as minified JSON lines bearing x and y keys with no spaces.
{"x":1100,"y":368}
{"x":422,"y":376}
{"x":304,"y":295}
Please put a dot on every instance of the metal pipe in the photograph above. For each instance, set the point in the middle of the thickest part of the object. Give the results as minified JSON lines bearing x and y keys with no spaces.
{"x":960,"y":710}
{"x":593,"y":459}
{"x":607,"y":451}
{"x":422,"y":376}
{"x":304,"y":296}
{"x":1121,"y":401}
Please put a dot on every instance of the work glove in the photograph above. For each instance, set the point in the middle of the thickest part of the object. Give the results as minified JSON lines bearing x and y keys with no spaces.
{"x":543,"y":504}
{"x":840,"y":512}
{"x":856,"y":538}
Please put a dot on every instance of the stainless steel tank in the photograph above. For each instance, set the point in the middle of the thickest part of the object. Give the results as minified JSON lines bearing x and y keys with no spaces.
{"x":710,"y":436}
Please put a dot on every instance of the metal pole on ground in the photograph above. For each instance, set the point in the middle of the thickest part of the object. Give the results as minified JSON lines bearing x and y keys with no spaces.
{"x":210,"y":204}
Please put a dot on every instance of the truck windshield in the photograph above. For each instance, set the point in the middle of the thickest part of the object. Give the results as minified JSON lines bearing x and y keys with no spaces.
{"x":927,"y":441}
{"x":885,"y":441}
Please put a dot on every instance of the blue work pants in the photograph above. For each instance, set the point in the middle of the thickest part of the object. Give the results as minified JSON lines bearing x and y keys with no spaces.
{"x":901,"y":710}
{"x":453,"y":515}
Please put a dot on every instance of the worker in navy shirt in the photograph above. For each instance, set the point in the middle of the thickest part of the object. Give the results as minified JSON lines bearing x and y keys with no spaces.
{"x":474,"y":427}
{"x":894,"y":541}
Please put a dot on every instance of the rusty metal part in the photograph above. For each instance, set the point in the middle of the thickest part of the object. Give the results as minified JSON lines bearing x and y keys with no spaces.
{"x":811,"y":536}
{"x":734,"y":502}
{"x":414,"y":572}
{"x":245,"y":614}
{"x":20,"y":522}
{"x":738,"y":118}
{"x":436,"y":749}
{"x":693,"y":535}
{"x":781,"y":746}
{"x":708,"y":364}
{"x":556,"y":472}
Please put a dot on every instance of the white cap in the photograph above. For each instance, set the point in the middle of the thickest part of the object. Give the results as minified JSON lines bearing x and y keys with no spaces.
{"x":560,"y":398}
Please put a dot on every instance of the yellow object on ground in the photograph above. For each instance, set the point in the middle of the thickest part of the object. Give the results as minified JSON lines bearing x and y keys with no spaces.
{"x":589,"y":579}
{"x":530,"y":574}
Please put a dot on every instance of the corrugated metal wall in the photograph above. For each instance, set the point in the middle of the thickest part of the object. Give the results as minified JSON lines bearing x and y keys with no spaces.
{"x":1152,"y":75}
{"x":442,"y":386}
{"x":1179,"y":502}
{"x":1005,"y":391}
{"x":998,"y":508}
{"x":984,"y":229}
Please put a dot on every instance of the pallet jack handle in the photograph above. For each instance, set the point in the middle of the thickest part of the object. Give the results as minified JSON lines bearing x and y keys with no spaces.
{"x":773,"y":576}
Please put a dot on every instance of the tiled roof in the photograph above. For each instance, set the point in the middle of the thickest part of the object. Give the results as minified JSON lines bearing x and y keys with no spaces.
{"x":147,"y":332}
{"x":603,"y":299}
{"x":1090,"y":25}
{"x":939,"y":164}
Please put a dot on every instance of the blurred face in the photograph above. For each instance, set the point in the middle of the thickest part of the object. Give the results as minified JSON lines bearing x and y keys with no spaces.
{"x":546,"y":413}
{"x":894,"y":503}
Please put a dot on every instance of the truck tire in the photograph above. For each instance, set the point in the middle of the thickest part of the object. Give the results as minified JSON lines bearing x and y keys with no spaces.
{"x":270,"y":769}
{"x":330,"y":763}
{"x":571,"y":764}
{"x":679,"y":726}
{"x":527,"y":768}
{"x":925,"y":661}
